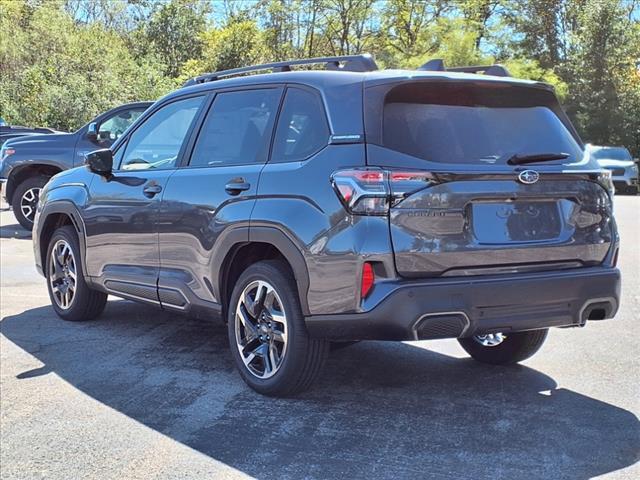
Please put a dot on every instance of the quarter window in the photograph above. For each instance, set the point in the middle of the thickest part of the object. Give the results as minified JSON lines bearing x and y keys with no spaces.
{"x":157,"y":142}
{"x":302,"y":127}
{"x":237,"y":130}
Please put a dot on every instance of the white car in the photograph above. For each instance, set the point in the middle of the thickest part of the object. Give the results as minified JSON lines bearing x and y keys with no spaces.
{"x":618,"y":160}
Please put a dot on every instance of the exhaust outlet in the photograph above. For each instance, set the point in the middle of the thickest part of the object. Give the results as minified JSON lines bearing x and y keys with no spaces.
{"x":600,"y":310}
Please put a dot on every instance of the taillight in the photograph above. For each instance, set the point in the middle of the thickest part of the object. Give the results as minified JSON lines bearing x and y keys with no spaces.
{"x":363,"y":191}
{"x":371,"y":190}
{"x":5,"y":152}
{"x":404,"y":183}
{"x":368,"y":277}
{"x":605,"y":179}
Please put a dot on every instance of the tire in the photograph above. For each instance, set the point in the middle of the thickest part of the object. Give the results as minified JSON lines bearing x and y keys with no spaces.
{"x":515,"y":347}
{"x":30,"y":186}
{"x":296,"y":362}
{"x":334,"y":346}
{"x":85,"y":303}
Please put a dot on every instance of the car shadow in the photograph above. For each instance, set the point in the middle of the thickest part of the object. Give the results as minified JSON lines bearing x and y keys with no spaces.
{"x":14,"y":231}
{"x":380,"y":410}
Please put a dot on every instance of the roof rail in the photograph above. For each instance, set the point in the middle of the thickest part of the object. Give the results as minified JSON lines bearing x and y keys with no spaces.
{"x":347,"y":63}
{"x":437,"y":65}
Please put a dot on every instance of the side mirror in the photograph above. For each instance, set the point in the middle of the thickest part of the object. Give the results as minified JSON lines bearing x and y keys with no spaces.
{"x":100,"y":162}
{"x":92,"y":132}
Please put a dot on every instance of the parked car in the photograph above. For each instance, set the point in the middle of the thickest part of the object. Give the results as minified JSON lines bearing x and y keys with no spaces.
{"x":27,"y":163}
{"x":309,"y":207}
{"x":13,"y":131}
{"x":618,"y":160}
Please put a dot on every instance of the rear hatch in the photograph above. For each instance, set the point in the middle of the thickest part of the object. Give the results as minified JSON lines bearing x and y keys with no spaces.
{"x":463,"y":201}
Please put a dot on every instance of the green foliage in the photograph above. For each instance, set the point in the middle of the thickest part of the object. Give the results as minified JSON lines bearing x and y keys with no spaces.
{"x":240,"y":43}
{"x":63,"y":61}
{"x":68,"y":73}
{"x":531,"y":70}
{"x":605,"y":90}
{"x":174,"y":32}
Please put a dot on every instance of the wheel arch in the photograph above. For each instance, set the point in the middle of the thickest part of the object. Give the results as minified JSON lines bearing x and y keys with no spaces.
{"x":23,"y":172}
{"x":247,"y":246}
{"x":53,"y":216}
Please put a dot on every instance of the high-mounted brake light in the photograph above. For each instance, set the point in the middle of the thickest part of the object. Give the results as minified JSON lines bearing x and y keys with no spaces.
{"x":371,"y":190}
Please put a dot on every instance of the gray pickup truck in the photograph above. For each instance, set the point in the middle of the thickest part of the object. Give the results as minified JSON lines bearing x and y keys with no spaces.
{"x":27,"y":163}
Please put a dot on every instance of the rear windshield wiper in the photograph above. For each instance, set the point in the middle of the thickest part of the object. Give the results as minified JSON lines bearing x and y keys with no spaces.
{"x":519,"y":159}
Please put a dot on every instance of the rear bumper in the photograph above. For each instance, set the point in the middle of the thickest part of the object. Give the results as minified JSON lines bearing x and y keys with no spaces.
{"x":628,"y":183}
{"x":462,"y":307}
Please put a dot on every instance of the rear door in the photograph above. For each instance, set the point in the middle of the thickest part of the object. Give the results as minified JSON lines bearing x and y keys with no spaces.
{"x":460,"y":207}
{"x":213,"y":192}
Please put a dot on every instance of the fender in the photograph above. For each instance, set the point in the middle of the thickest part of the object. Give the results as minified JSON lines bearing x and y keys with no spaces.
{"x":274,"y":236}
{"x":14,"y":170}
{"x":292,"y":253}
{"x":56,"y":207}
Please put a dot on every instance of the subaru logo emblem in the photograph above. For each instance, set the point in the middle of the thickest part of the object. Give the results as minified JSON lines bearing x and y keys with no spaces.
{"x":528,"y":177}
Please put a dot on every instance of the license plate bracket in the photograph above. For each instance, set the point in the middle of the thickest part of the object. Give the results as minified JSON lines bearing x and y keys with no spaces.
{"x":516,"y":222}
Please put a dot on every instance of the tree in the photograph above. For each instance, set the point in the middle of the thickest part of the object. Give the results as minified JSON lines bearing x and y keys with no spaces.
{"x":103,"y":52}
{"x":83,"y":71}
{"x":175,"y":31}
{"x":603,"y":72}
{"x":477,"y":14}
{"x":345,"y":25}
{"x":238,"y":44}
{"x":408,"y":28}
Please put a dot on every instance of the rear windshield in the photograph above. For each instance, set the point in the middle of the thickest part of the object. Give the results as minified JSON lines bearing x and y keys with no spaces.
{"x":473,"y":125}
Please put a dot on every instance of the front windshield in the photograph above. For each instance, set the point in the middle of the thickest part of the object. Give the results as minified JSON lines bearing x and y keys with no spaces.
{"x":611,"y":154}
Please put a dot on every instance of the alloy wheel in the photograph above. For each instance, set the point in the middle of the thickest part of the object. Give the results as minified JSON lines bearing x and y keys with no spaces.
{"x":261,"y":329}
{"x":29,"y":202}
{"x":62,"y":274}
{"x":490,"y":339}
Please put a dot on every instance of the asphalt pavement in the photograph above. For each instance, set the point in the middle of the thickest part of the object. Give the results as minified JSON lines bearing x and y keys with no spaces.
{"x":144,"y":394}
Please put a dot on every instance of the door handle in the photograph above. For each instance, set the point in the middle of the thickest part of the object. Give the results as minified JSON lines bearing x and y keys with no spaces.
{"x":151,"y":190}
{"x":237,"y":185}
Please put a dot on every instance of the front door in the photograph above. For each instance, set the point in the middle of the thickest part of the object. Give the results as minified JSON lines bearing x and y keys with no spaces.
{"x":122,"y":212}
{"x":213,"y":193}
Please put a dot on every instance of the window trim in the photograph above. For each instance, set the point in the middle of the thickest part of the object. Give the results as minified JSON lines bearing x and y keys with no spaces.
{"x":186,"y":160}
{"x":123,"y":141}
{"x":318,"y":95}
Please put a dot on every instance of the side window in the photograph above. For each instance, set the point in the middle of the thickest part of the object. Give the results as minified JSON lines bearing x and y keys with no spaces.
{"x":113,"y":127}
{"x":302,"y":127}
{"x":237,"y":130}
{"x":157,"y":142}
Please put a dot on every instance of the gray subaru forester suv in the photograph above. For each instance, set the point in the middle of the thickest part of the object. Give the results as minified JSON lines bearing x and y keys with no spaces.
{"x":310,"y":207}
